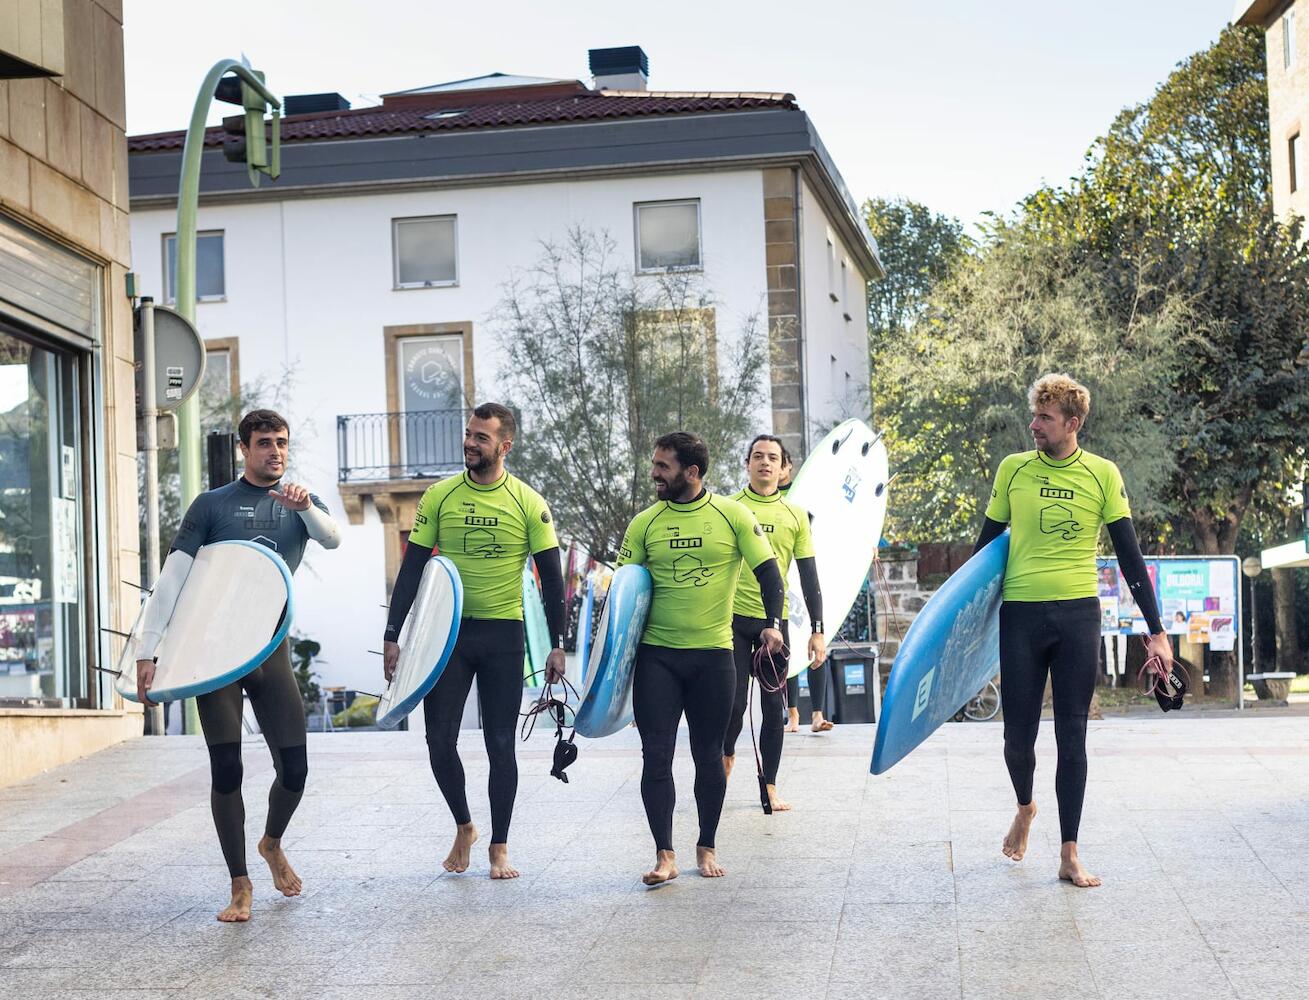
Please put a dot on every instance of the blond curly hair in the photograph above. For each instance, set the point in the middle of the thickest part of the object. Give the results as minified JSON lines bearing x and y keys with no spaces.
{"x":1063,"y":391}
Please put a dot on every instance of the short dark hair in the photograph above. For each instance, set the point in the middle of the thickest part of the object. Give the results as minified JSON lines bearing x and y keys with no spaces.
{"x":494,"y":411}
{"x":786,"y":455}
{"x":689,"y":448}
{"x":260,"y":420}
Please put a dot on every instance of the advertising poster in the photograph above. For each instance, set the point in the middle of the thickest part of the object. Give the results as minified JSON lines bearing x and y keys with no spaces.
{"x":1197,"y":599}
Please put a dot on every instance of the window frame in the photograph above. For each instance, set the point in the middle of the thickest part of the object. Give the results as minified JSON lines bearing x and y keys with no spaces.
{"x":399,"y":220}
{"x":1293,"y":161}
{"x":1288,"y":40}
{"x":170,"y":295}
{"x":699,"y":235}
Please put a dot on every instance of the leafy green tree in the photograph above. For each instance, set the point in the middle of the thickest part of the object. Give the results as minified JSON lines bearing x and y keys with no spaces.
{"x":600,"y":364}
{"x":952,"y":387}
{"x":303,"y":652}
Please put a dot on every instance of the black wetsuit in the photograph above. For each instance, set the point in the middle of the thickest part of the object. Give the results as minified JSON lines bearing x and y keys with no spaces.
{"x":241,"y":510}
{"x":1050,"y":618}
{"x":488,"y":531}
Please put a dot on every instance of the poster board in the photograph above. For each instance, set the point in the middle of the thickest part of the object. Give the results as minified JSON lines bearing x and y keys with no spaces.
{"x":1198,"y":597}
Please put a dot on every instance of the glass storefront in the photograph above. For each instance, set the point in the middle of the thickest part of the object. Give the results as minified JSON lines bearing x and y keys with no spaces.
{"x":43,"y":604}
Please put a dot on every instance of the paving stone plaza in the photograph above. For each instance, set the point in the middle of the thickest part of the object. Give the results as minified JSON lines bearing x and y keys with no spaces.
{"x":893,"y":886}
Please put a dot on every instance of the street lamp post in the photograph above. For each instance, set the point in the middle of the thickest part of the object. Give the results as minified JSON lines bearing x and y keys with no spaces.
{"x":1251,"y":567}
{"x":263,"y":158}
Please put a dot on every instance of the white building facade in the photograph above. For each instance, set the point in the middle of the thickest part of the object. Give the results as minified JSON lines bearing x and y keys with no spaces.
{"x":381,"y":256}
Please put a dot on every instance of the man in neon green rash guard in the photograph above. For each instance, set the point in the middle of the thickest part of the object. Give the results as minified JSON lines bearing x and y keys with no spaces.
{"x":1054,"y":499}
{"x":693,"y":543}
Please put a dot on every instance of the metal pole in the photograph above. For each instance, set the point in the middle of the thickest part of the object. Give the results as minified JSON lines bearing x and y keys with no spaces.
{"x":150,"y":414}
{"x":1240,"y":646}
{"x":188,"y":199}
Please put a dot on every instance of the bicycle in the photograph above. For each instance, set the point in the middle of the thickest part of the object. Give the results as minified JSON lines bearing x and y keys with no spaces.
{"x":983,"y":706}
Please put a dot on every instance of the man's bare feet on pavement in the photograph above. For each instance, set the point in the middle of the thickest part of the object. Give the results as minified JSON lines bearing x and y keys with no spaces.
{"x":500,"y":866}
{"x":1015,"y":841}
{"x":708,"y":864}
{"x":665,"y":869}
{"x":1071,"y":870}
{"x":461,"y":853}
{"x":242,"y":895}
{"x":285,"y":879}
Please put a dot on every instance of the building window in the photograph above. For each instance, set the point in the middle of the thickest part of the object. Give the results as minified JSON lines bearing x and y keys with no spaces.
{"x":429,"y":375}
{"x":668,"y":236}
{"x":1293,"y":156}
{"x":43,"y":599}
{"x":1288,"y":39}
{"x":424,"y":251}
{"x":221,"y":404}
{"x":210,"y":276}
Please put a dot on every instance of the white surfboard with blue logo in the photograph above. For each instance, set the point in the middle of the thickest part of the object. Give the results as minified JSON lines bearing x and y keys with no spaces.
{"x":426,"y":642}
{"x":233,"y":610}
{"x":842,"y":485}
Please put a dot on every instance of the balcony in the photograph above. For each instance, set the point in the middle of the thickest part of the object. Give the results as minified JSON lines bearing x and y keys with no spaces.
{"x":393,"y":457}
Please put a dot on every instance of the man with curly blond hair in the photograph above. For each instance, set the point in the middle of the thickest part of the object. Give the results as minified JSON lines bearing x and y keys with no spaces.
{"x":1054,"y":499}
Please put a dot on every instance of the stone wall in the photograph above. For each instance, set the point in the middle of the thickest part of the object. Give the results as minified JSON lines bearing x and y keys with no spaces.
{"x":63,"y":172}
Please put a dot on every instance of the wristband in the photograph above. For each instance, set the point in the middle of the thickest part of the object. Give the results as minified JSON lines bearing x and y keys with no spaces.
{"x":816,"y":627}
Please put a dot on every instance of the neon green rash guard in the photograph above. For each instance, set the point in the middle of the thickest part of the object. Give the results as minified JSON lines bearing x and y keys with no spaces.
{"x":786,"y":526}
{"x":487,"y":532}
{"x":693,"y":552}
{"x":1054,"y":511}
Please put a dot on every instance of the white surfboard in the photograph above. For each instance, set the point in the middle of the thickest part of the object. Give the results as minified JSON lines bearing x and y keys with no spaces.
{"x":228,"y":619}
{"x":842,"y":485}
{"x":426,"y":641}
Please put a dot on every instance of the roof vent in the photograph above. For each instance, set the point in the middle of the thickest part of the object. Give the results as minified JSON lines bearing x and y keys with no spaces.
{"x":308,"y":104}
{"x":625,"y":68}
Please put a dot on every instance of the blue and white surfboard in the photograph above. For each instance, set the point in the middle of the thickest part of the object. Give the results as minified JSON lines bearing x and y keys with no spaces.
{"x":607,"y":698}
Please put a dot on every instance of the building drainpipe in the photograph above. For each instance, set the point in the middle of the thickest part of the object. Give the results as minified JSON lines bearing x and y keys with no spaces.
{"x":802,"y":342}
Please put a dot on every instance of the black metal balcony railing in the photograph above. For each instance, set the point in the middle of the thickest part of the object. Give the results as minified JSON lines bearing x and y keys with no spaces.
{"x":420,"y":444}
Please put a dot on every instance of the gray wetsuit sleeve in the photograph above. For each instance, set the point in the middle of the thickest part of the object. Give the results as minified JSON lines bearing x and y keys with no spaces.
{"x":194,"y":531}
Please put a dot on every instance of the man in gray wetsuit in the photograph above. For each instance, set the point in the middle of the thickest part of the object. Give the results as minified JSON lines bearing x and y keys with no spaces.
{"x":257,"y":507}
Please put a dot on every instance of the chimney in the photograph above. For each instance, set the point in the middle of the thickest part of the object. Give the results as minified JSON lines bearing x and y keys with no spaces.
{"x":308,"y":104}
{"x":625,"y":68}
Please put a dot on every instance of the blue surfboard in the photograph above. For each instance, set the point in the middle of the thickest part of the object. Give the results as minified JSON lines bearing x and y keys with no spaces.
{"x":584,"y":614}
{"x":536,"y":631}
{"x":428,"y":640}
{"x":607,"y":699}
{"x":949,"y":653}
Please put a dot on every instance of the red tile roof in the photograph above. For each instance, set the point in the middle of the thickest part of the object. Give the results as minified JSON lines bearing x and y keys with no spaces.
{"x":587,"y":106}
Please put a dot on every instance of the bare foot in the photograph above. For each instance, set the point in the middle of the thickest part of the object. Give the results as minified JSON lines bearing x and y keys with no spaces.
{"x":239,"y":910}
{"x":665,"y":869}
{"x":460,"y":854}
{"x":1071,"y":870}
{"x":728,"y":762}
{"x":778,"y":803}
{"x":285,"y":879}
{"x":708,"y":863}
{"x":793,"y":720}
{"x":819,"y":724}
{"x":500,"y":866}
{"x":1015,"y":841}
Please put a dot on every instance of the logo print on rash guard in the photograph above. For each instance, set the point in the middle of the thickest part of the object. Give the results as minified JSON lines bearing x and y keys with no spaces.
{"x":1058,"y":520}
{"x":688,"y":567}
{"x":481,"y":542}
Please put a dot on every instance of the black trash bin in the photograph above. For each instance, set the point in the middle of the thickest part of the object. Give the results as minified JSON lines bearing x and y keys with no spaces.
{"x":853,"y":669}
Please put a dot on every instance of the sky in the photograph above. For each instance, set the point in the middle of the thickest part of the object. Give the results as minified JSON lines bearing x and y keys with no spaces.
{"x":963,"y":105}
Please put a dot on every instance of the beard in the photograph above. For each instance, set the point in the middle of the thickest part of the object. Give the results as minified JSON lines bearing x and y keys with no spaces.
{"x":482,"y":463}
{"x":673,"y":488}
